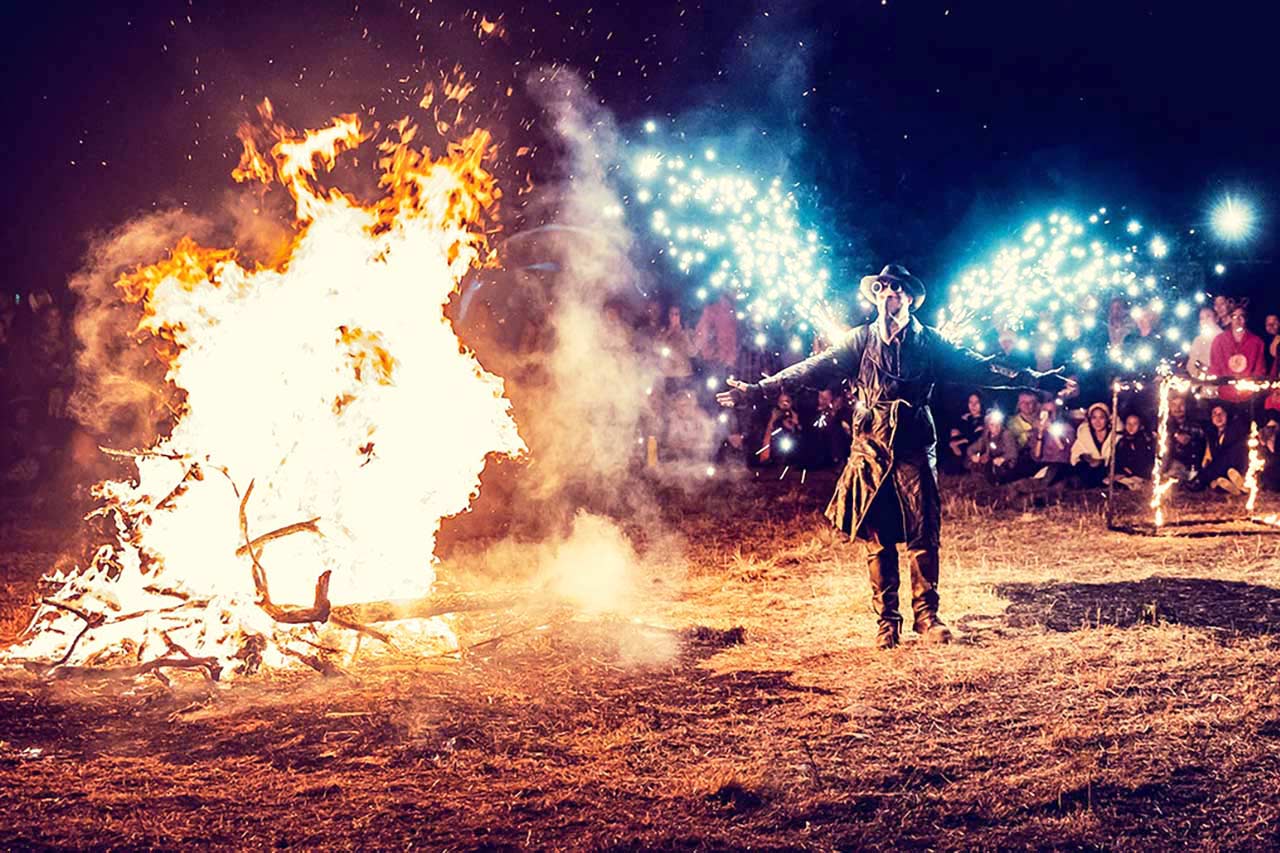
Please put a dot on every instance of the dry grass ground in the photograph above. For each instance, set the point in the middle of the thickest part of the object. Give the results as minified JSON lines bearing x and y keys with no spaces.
{"x":1107,"y":692}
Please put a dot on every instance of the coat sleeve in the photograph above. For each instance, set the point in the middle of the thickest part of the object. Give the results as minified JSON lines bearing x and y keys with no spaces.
{"x":962,"y":366}
{"x":831,"y":365}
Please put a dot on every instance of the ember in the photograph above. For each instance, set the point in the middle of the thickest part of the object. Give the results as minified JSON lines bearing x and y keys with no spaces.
{"x":309,"y":466}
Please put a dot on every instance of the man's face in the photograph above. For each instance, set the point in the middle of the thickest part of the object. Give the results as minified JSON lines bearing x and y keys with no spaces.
{"x":1177,"y":407}
{"x":1132,"y":424}
{"x":975,"y":405}
{"x":1218,"y":416}
{"x":1028,"y":405}
{"x":1208,"y":317}
{"x":1220,"y":306}
{"x":1238,"y":319}
{"x":1273,"y":324}
{"x":890,"y":301}
{"x":824,"y":399}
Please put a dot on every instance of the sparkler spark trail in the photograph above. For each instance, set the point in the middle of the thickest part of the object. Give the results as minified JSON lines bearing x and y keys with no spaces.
{"x":1084,"y":290}
{"x":742,"y":234}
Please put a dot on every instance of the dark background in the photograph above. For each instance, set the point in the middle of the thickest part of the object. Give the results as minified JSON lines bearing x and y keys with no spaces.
{"x":914,"y":131}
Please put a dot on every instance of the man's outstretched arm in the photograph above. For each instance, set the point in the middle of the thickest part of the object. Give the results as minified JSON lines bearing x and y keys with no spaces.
{"x":830,"y":365}
{"x":963,"y":366}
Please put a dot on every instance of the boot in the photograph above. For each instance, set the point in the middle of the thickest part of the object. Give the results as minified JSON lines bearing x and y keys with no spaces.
{"x":883,"y":571}
{"x":924,"y":596}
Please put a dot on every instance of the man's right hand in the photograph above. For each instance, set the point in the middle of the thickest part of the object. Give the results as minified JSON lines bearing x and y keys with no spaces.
{"x":739,"y":392}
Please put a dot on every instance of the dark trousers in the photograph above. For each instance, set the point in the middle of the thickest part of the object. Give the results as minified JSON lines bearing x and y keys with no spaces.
{"x":885,"y":529}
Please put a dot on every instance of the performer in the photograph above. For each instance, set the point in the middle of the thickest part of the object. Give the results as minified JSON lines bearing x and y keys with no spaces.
{"x":888,"y":491}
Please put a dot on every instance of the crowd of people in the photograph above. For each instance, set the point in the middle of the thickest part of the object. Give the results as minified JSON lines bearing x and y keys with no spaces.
{"x":1024,"y":440}
{"x":1028,"y":437}
{"x":1206,"y":433}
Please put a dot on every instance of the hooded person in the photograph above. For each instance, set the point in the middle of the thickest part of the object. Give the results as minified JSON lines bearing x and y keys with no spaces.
{"x":888,"y":492}
{"x":1095,"y":443}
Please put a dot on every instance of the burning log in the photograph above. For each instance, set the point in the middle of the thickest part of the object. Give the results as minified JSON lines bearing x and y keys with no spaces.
{"x":423,"y":608}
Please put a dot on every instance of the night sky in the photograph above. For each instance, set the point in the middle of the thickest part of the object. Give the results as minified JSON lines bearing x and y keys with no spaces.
{"x":913,"y":131}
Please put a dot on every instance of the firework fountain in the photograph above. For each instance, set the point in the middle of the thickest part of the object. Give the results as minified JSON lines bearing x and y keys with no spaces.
{"x":1096,"y":290}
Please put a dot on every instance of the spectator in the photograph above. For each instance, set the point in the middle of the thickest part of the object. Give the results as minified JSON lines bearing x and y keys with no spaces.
{"x":1222,"y":308}
{"x":1270,"y":477}
{"x":1094,"y":444}
{"x":1272,"y":342}
{"x":1200,"y":354}
{"x":690,"y":432}
{"x":970,"y":429}
{"x":834,"y":428}
{"x":1226,"y":455}
{"x":1237,"y":354}
{"x":1024,"y":420}
{"x":782,"y":433}
{"x":675,"y":352}
{"x":716,"y":336}
{"x":1051,"y":442}
{"x":996,"y":456}
{"x":1120,"y":323}
{"x":1135,"y":453}
{"x":1184,"y":451}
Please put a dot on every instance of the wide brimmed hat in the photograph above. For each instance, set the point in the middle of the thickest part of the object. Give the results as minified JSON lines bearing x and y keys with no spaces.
{"x":911,"y":285}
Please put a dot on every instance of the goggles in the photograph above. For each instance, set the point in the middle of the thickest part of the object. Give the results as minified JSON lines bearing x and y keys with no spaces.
{"x":880,"y":285}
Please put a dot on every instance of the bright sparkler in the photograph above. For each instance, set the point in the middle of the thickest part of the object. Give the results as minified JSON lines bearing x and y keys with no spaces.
{"x":1073,"y":288}
{"x":743,"y":235}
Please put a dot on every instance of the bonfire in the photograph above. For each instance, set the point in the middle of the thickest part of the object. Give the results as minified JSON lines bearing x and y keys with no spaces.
{"x":291,"y":511}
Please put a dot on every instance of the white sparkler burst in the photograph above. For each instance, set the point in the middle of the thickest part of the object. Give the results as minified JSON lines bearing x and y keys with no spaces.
{"x":739,"y":234}
{"x":1074,"y":289}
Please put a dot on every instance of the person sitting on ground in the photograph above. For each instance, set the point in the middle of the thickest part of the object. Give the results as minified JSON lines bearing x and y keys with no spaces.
{"x":834,"y":428}
{"x":782,"y":432}
{"x":1051,"y":442}
{"x":1023,"y":423}
{"x":1200,"y":353}
{"x":1135,"y":453}
{"x":1237,"y":354}
{"x":1094,"y":444}
{"x":1184,"y":450}
{"x":1226,"y":455}
{"x":971,"y":428}
{"x":997,"y":455}
{"x":1269,"y":479}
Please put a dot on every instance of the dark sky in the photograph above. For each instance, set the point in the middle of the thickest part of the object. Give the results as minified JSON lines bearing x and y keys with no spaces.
{"x":918,"y":131}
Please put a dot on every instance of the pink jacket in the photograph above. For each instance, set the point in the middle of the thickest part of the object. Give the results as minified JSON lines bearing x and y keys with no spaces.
{"x":1232,"y":359}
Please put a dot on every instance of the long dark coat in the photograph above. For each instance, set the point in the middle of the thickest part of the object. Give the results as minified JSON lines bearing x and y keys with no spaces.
{"x":894,"y":438}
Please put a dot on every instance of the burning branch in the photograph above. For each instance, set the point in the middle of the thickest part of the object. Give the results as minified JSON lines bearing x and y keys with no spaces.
{"x":310,"y":525}
{"x":318,"y":612}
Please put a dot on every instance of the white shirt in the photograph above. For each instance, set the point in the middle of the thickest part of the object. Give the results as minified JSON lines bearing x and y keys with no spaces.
{"x":1200,"y":350}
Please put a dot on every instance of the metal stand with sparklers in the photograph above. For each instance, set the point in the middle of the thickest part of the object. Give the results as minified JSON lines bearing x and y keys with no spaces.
{"x":1165,"y":384}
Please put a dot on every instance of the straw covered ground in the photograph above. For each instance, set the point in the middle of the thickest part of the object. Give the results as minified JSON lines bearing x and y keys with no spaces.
{"x":1106,"y":691}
